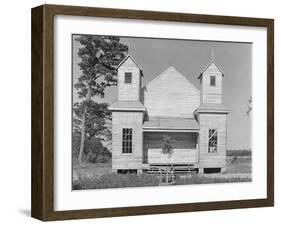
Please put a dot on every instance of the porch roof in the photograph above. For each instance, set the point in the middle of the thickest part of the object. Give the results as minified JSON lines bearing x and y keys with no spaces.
{"x":126,"y":105}
{"x":171,"y":124}
{"x":212,"y":108}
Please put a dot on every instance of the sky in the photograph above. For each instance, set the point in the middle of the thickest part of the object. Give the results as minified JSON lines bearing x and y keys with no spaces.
{"x":190,"y":57}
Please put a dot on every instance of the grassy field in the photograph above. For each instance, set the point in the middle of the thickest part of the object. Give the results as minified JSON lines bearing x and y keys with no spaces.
{"x":239,"y":165}
{"x":99,"y":175}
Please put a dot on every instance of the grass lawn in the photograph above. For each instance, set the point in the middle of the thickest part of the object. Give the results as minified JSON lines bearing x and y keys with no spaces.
{"x":91,"y":169}
{"x":99,"y":175}
{"x":239,"y":165}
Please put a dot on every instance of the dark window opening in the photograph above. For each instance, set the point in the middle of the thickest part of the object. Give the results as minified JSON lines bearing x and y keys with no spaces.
{"x":213,"y":81}
{"x":128,"y":77}
{"x":127,"y":171}
{"x":127,"y":140}
{"x":212,"y":170}
{"x":213,"y":141}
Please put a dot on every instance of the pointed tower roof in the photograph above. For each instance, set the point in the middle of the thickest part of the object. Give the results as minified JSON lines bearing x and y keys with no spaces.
{"x":209,"y":65}
{"x":125,"y":59}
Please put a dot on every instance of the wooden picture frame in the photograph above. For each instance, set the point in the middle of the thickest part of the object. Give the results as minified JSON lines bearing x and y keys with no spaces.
{"x":42,"y":203}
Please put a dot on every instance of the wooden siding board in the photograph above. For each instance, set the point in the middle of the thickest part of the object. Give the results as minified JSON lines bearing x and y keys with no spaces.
{"x":212,"y":121}
{"x":184,"y":147}
{"x":165,"y":101}
{"x":171,"y":123}
{"x":122,"y":120}
{"x":178,"y":156}
{"x":211,"y":94}
{"x":129,"y":91}
{"x":179,"y":100}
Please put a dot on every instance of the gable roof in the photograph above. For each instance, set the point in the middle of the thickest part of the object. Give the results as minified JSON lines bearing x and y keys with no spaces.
{"x":208,"y":65}
{"x":169,"y":69}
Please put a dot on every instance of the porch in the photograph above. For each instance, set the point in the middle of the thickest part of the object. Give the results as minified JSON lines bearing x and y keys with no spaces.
{"x":184,"y":134}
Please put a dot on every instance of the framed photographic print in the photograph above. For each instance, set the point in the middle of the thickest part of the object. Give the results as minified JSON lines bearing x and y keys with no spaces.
{"x":141,"y":112}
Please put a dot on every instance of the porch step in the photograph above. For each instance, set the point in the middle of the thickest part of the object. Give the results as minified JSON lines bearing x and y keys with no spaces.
{"x":158,"y":169}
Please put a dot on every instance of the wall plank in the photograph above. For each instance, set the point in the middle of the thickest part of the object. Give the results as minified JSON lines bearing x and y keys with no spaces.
{"x":177,"y":100}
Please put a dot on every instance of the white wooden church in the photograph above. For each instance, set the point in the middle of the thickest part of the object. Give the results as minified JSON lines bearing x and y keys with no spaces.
{"x":169,"y":105}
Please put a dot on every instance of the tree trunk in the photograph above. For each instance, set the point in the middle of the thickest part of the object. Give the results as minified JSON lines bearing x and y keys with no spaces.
{"x":83,"y":127}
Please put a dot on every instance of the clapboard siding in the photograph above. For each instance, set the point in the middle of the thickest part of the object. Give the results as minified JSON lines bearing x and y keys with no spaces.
{"x":129,"y":91}
{"x":153,"y":142}
{"x":211,"y":94}
{"x":122,"y":120}
{"x":171,"y":95}
{"x":178,"y":156}
{"x":212,"y":121}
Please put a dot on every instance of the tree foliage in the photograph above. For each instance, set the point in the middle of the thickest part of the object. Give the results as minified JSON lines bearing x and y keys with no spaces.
{"x":95,"y":151}
{"x":99,"y":57}
{"x":168,"y":145}
{"x":97,"y":117}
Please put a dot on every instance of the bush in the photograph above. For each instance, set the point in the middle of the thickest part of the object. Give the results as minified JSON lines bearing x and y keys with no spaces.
{"x":94,"y":152}
{"x":234,"y":159}
{"x":168,"y":144}
{"x":113,"y":180}
{"x":241,"y":152}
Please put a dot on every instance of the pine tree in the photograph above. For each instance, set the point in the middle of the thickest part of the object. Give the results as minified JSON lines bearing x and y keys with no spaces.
{"x":99,"y":57}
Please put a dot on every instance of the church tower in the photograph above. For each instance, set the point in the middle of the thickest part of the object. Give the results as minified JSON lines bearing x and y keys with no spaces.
{"x":212,"y":117}
{"x":129,"y":80}
{"x":127,"y":119}
{"x":211,"y":84}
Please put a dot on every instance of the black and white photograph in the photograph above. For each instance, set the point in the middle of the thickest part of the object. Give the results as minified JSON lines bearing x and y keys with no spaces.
{"x":159,"y":112}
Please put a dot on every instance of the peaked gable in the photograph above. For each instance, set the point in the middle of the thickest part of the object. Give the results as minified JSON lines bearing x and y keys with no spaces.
{"x":170,"y":71}
{"x":211,"y":65}
{"x":128,"y":57}
{"x":171,"y":95}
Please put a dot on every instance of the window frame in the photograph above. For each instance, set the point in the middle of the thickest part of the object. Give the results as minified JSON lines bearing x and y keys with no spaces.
{"x":131,"y":77}
{"x":127,"y":140}
{"x":213,"y":79}
{"x":216,"y":141}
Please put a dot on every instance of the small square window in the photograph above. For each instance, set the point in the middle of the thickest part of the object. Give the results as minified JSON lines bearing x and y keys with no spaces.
{"x":128,"y":77}
{"x":213,"y":81}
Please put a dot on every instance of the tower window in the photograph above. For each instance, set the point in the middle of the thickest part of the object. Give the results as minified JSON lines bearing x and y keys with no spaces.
{"x":213,"y":141}
{"x":127,"y":140}
{"x":128,"y":77}
{"x":213,"y":81}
